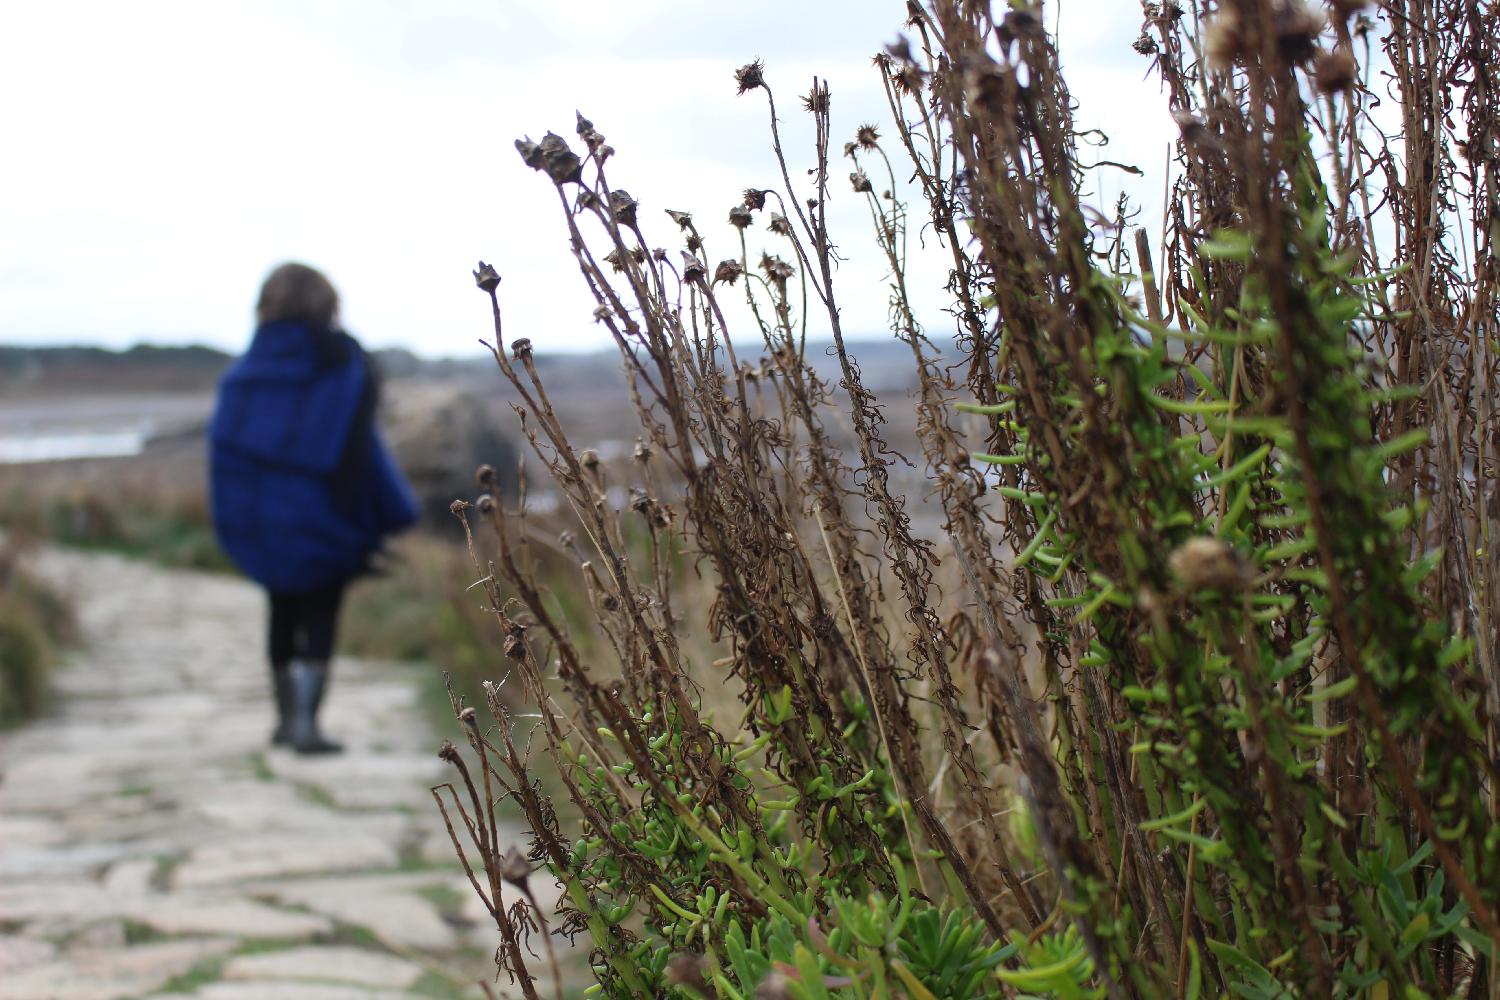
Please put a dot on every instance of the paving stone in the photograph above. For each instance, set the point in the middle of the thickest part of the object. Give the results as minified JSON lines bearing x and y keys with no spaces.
{"x":241,"y":918}
{"x":266,"y":856}
{"x":395,"y":918}
{"x":130,"y":878}
{"x":357,"y":966}
{"x":17,"y":953}
{"x":109,"y":974}
{"x":266,"y":990}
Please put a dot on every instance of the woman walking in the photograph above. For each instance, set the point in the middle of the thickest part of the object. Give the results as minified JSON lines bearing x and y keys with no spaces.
{"x":304,"y":488}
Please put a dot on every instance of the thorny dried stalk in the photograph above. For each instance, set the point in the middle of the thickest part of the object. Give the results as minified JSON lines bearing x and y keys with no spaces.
{"x":1196,"y":689}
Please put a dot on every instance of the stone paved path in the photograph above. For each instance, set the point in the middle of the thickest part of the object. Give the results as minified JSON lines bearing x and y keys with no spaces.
{"x":152,"y":845}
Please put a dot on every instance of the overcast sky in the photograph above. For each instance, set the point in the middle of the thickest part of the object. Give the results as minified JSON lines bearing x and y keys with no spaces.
{"x":160,"y":156}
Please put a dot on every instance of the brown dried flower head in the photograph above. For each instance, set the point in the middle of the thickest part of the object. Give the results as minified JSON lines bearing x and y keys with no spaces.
{"x":690,"y":971}
{"x":485,"y":504}
{"x":750,"y":76}
{"x":1224,"y":42}
{"x":817,"y":100}
{"x":1205,"y":563}
{"x":755,"y":199}
{"x":1335,"y":72}
{"x":868,"y":137}
{"x":728,"y":272}
{"x":1298,"y":25}
{"x":910,"y":79}
{"x":693,"y":269}
{"x":776,"y":269}
{"x":552,"y":157}
{"x":860,"y":181}
{"x":683,"y":219}
{"x":779,"y":225}
{"x":622,"y":207}
{"x":900,"y":50}
{"x":484,"y":477}
{"x":487,"y":278}
{"x":521,"y":347}
{"x":591,"y":137}
{"x":513,"y":866}
{"x":740,"y":217}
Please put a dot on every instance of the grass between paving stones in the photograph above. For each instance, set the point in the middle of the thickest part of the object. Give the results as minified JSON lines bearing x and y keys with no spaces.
{"x":138,"y":932}
{"x":210,"y":970}
{"x":260,"y":767}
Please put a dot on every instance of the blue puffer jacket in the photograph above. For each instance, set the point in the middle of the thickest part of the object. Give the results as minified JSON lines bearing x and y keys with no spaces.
{"x":304,"y":488}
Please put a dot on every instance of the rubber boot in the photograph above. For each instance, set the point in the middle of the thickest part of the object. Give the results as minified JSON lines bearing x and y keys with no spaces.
{"x":308,"y":678}
{"x":281,"y":687}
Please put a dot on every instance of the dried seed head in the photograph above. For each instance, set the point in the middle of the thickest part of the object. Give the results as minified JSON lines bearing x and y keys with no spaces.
{"x":469,"y":717}
{"x":1019,"y":22}
{"x":1335,"y":72}
{"x":640,"y":500}
{"x":910,"y":79}
{"x":588,"y":458}
{"x":693,"y":269}
{"x":779,"y":225}
{"x":868,"y":137}
{"x":638,"y":255}
{"x":457,"y":507}
{"x":1224,"y":42}
{"x":776,"y":269}
{"x":1193,"y":129}
{"x":614,"y":260}
{"x":900,"y":49}
{"x":601,"y":313}
{"x":740,"y":217}
{"x":1298,"y":26}
{"x":487,"y":278}
{"x":1145,"y":44}
{"x":1208,"y":563}
{"x":755,"y":199}
{"x":485,"y":504}
{"x":690,"y":971}
{"x":591,"y":136}
{"x":514,"y":646}
{"x":553,"y":157}
{"x":860,"y":181}
{"x":521,"y":347}
{"x":683,"y":219}
{"x":448,"y":751}
{"x":642,"y":452}
{"x":774,"y":987}
{"x":817,"y":100}
{"x":484,"y":477}
{"x":622,"y":207}
{"x":849,"y":148}
{"x":749,"y":76}
{"x":513,"y":867}
{"x":728,"y":272}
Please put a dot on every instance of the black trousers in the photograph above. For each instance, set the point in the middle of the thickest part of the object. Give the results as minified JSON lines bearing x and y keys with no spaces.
{"x":304,"y":624}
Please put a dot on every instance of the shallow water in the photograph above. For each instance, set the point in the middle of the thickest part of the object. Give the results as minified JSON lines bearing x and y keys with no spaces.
{"x":59,"y":446}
